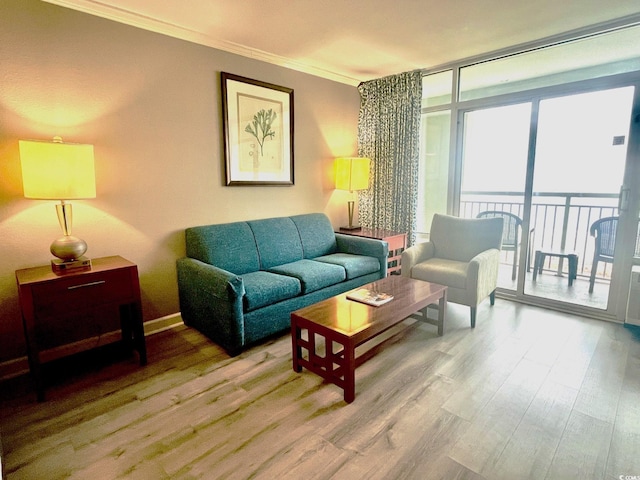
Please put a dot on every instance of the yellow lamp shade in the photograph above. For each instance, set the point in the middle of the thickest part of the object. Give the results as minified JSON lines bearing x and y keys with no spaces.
{"x":56,"y":170}
{"x":352,"y":173}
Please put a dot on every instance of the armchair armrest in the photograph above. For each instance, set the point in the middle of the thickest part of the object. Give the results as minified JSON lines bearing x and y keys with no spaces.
{"x":483,"y":272}
{"x":211,"y":300}
{"x":414,"y":255}
{"x":370,"y":247}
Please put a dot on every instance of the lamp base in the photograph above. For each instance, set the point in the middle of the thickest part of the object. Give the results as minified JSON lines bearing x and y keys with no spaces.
{"x":351,"y":227}
{"x":60,"y":267}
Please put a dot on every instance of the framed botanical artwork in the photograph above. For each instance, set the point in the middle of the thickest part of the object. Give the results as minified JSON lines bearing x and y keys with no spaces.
{"x":257,"y":120}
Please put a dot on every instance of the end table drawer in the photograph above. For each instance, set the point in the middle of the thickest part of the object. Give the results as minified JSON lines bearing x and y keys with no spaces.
{"x":79,"y":292}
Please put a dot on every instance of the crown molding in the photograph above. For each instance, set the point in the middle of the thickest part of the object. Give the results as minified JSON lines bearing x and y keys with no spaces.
{"x":133,"y":19}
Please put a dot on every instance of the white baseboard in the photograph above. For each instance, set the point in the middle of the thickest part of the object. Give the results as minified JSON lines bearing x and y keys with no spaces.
{"x":163,"y":323}
{"x":20,"y":366}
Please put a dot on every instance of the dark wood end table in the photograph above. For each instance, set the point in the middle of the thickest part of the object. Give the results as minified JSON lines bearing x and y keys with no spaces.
{"x":76,"y":311}
{"x":397,"y":242}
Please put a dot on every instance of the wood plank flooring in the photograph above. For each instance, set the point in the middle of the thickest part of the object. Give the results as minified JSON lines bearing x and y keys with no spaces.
{"x":527,"y":394}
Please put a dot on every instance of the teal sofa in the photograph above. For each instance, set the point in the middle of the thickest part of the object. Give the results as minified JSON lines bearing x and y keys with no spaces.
{"x":239,"y":282}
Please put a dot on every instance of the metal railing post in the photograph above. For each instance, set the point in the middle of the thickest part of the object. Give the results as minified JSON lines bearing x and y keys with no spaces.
{"x":565,"y":227}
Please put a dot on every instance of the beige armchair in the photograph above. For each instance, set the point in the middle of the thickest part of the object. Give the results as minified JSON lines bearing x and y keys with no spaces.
{"x":463,"y":254}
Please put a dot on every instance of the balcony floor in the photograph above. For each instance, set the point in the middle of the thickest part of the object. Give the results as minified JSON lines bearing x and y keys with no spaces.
{"x":550,"y":285}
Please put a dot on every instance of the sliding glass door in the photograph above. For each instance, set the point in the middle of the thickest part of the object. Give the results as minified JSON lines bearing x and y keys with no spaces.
{"x":580,"y":155}
{"x":494,"y":166}
{"x":553,"y":168}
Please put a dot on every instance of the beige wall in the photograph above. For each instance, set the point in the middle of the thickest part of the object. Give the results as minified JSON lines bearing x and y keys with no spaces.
{"x":150,"y":105}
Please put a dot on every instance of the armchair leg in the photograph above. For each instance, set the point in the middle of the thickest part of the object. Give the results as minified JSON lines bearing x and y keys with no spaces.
{"x":473,"y":317}
{"x":592,"y":277}
{"x":492,"y":298}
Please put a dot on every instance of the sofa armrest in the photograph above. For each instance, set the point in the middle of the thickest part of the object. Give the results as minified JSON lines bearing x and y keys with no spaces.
{"x":211,"y":301}
{"x":414,"y":255}
{"x":370,"y":247}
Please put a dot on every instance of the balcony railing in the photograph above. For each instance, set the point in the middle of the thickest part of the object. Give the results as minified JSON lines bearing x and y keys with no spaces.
{"x":558,"y":220}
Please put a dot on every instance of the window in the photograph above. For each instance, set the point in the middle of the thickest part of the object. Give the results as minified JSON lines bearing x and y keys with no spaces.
{"x":437,"y":91}
{"x":587,"y":58}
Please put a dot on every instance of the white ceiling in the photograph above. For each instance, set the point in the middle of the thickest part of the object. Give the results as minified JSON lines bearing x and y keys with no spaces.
{"x":357,"y":40}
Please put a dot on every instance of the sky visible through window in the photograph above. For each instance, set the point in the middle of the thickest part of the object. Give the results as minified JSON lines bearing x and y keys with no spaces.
{"x":581,"y":144}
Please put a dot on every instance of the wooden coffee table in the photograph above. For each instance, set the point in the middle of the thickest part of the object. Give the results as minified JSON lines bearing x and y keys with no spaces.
{"x":345,"y":324}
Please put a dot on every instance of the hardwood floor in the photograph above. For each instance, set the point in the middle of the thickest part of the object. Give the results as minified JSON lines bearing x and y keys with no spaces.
{"x":528,"y":393}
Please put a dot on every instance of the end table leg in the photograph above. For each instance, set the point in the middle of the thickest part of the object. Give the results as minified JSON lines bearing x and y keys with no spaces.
{"x":138,"y":333}
{"x":34,"y":365}
{"x":133,"y":330}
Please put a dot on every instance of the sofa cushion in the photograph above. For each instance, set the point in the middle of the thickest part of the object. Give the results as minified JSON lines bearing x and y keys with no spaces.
{"x":278,"y":241}
{"x":354,"y":265}
{"x":442,"y":271}
{"x":316,"y":234}
{"x":264,"y":288}
{"x":229,"y":246}
{"x":313,"y":275}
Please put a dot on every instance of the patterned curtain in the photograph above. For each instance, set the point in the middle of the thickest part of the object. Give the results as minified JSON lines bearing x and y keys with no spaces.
{"x":389,"y":134}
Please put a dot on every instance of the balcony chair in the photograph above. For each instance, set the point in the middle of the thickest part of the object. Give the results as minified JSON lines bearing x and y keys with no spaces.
{"x":604,"y":232}
{"x":463,"y":254}
{"x":510,"y":234}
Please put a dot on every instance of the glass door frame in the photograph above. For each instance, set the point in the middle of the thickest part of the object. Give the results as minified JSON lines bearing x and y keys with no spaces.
{"x":628,"y":223}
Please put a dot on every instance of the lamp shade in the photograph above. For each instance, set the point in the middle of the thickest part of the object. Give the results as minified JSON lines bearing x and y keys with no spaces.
{"x":56,"y":170}
{"x":352,"y":173}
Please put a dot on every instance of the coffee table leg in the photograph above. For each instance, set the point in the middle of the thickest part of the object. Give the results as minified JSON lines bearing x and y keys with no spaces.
{"x":296,"y":350}
{"x":442,"y":312}
{"x":349,"y":374}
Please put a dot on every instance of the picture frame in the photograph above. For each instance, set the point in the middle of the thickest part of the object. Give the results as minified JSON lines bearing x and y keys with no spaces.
{"x":258,"y":124}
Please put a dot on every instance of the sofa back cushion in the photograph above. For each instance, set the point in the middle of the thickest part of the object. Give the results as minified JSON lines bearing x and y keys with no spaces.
{"x":461,"y":239}
{"x":316,"y":234}
{"x":230,"y":246}
{"x":278,"y":241}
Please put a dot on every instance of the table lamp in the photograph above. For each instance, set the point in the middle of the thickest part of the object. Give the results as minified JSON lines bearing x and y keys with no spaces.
{"x":60,"y":171}
{"x":352,"y":173}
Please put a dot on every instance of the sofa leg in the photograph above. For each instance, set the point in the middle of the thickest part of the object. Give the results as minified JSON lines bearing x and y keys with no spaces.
{"x":234,"y":352}
{"x":473,"y":317}
{"x":492,"y":298}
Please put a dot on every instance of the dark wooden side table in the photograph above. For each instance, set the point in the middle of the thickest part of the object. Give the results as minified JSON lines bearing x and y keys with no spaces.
{"x":397,"y":244}
{"x":560,"y":253}
{"x":77,"y":311}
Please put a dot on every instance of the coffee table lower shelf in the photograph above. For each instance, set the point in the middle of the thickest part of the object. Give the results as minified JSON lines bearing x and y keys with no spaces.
{"x":343,"y":325}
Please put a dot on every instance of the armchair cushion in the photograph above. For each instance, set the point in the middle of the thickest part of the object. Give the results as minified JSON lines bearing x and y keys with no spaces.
{"x":443,"y":271}
{"x":463,"y":238}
